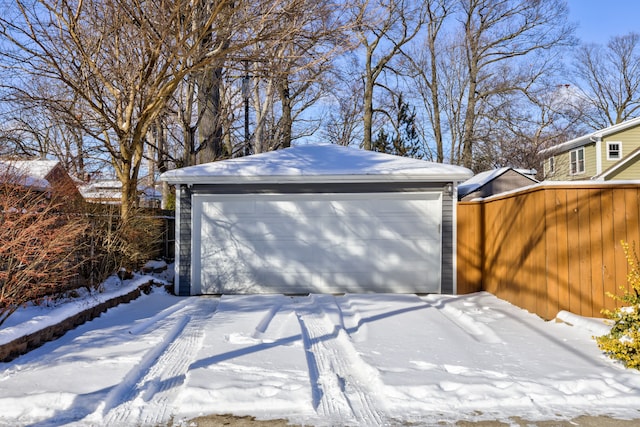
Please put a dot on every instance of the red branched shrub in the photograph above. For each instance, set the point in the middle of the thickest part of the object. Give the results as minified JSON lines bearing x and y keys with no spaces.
{"x":40,"y":243}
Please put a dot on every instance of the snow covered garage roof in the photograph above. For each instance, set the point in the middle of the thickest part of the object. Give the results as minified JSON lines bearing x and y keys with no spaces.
{"x":317,"y":163}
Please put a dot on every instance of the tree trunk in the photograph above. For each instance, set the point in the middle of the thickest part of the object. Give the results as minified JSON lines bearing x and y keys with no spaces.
{"x":209,"y":106}
{"x":435,"y":99}
{"x":368,"y":110}
{"x":286,"y":122}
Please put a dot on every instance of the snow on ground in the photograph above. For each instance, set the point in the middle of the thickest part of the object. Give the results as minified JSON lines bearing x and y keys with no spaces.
{"x":317,"y":360}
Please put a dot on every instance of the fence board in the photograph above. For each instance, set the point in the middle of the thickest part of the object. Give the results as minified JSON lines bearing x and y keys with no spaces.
{"x":469,"y":249}
{"x":563,"y":249}
{"x":609,"y":280}
{"x":573,"y":252}
{"x":539,"y":283}
{"x":584,"y":251}
{"x":551,"y":247}
{"x":551,"y":254}
{"x":619,"y":233}
{"x":594,"y":198}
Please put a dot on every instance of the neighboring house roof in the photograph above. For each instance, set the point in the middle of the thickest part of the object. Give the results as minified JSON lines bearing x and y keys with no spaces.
{"x":39,"y":169}
{"x":110,"y":190}
{"x":482,"y":179}
{"x":478,"y":180}
{"x":32,"y":173}
{"x":590,"y":137}
{"x":317,"y":163}
{"x":102,"y":190}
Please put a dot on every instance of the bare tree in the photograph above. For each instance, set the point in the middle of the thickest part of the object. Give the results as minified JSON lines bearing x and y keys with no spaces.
{"x":524,"y":125}
{"x":425,"y":69}
{"x":289,"y":77}
{"x":122,"y":61}
{"x":496,"y":35}
{"x":39,"y":130}
{"x":610,"y":80}
{"x":382,"y":29}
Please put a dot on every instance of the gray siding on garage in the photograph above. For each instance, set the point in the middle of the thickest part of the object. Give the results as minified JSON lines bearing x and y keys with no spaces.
{"x":184,"y":241}
{"x":448,"y":254}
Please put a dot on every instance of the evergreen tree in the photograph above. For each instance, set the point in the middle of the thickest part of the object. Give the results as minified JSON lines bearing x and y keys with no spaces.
{"x":404,"y":141}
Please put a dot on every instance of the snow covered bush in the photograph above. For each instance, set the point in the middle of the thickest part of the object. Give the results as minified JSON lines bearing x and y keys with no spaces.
{"x":623,"y":341}
{"x":40,"y":244}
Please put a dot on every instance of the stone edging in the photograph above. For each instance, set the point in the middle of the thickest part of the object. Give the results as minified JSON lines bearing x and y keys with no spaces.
{"x":25,"y":344}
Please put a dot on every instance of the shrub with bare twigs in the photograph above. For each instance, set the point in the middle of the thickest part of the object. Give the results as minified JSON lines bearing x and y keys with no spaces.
{"x":40,"y":243}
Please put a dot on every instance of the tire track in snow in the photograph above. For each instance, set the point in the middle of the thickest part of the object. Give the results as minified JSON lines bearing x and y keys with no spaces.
{"x":145,"y":395}
{"x":352,"y":321}
{"x":152,"y":322}
{"x":473,"y":327}
{"x":343,"y":385}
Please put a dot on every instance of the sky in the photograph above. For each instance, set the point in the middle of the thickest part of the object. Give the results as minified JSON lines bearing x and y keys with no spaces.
{"x":599,"y":20}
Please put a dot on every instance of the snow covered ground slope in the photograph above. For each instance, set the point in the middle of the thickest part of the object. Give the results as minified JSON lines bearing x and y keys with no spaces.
{"x":316,"y":360}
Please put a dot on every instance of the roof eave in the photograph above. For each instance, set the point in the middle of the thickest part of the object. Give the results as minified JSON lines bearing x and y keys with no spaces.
{"x":569,"y":145}
{"x":283,"y":179}
{"x":586,"y":139}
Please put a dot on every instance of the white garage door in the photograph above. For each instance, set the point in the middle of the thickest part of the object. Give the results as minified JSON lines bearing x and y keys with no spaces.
{"x":318,"y":243}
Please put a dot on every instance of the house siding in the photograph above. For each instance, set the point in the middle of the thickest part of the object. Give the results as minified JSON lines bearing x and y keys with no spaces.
{"x":630,"y":140}
{"x":563,"y":165}
{"x":447,"y":277}
{"x":590,"y":166}
{"x":630,"y":171}
{"x":183,"y":241}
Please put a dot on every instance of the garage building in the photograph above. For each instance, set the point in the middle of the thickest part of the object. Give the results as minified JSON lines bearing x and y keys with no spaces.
{"x":316,"y":219}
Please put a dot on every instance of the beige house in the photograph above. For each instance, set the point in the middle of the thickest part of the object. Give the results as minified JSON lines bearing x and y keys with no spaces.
{"x":609,"y":154}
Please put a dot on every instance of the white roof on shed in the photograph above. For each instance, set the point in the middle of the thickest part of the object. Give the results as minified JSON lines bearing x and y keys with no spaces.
{"x":317,"y":163}
{"x":483,"y":178}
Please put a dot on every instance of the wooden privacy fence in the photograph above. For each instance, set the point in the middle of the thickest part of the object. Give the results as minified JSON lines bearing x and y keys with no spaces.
{"x":550,"y":247}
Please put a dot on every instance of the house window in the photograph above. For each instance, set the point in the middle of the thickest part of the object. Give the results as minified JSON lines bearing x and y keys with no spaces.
{"x":614,"y":150}
{"x":552,"y":165}
{"x":577,"y":161}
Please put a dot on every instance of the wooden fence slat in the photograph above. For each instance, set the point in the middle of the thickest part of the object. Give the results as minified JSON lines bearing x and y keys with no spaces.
{"x":538,"y":273}
{"x":573,"y":251}
{"x":563,"y":250}
{"x":551,"y":254}
{"x":597,"y":259}
{"x":620,"y":235}
{"x":608,"y":248}
{"x":584,"y":253}
{"x":489,"y":271}
{"x":469,"y":249}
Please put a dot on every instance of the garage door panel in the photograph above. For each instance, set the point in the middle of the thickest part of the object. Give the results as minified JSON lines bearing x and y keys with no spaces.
{"x":397,"y":229}
{"x":258,"y":281}
{"x":317,"y":243}
{"x":373,"y":281}
{"x":229,"y":209}
{"x":343,"y":255}
{"x":408,"y":247}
